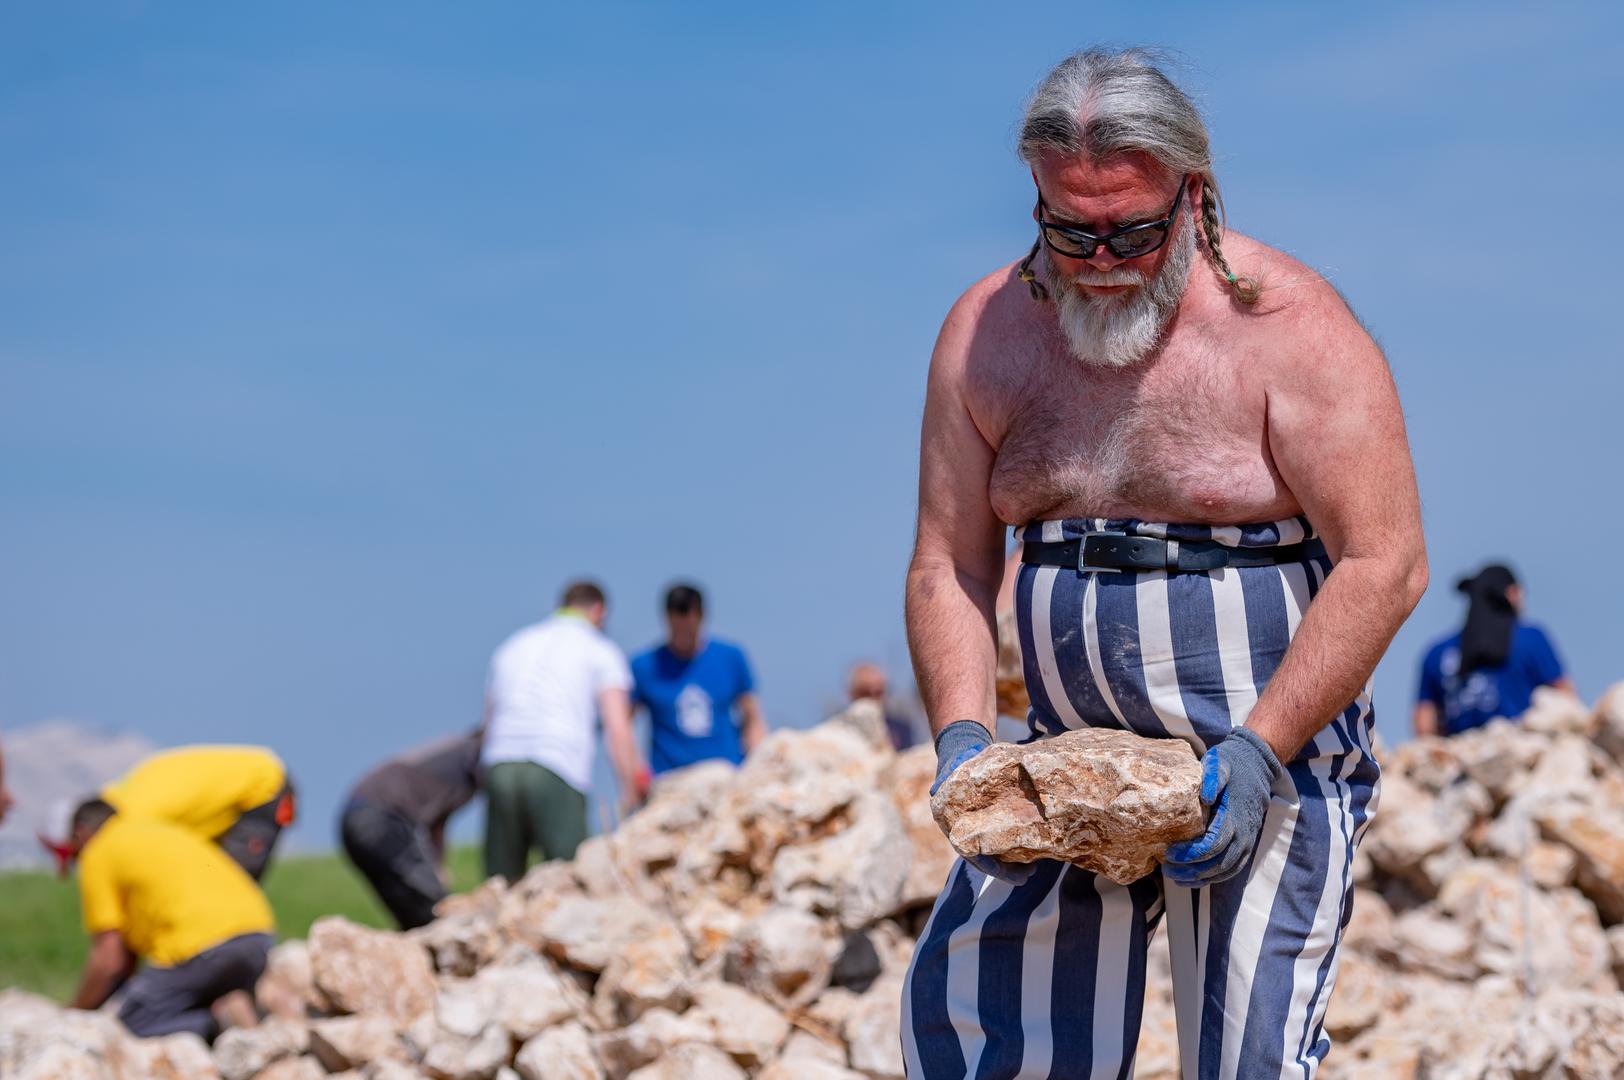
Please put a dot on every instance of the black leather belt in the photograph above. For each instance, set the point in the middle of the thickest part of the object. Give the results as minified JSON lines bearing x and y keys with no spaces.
{"x":1119,"y":551}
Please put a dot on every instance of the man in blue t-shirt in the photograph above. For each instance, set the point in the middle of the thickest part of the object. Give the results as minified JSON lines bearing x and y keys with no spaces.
{"x":1491,"y":667}
{"x":698,"y":691}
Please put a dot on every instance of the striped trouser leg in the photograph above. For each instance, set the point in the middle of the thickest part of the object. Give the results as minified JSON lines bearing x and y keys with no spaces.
{"x":1041,"y":980}
{"x":1254,"y":958}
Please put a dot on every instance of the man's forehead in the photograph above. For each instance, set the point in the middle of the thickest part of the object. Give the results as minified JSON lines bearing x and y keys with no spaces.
{"x":1121,"y":180}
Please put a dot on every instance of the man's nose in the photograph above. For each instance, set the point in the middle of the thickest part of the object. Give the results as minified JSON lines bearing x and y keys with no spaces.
{"x":1103,"y":260}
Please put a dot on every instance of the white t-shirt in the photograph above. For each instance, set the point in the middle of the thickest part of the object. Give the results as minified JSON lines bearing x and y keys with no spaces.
{"x":543,"y":689}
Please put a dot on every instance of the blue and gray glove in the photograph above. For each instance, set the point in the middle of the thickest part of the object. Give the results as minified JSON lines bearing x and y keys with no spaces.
{"x":1236,"y":776}
{"x":959,"y":742}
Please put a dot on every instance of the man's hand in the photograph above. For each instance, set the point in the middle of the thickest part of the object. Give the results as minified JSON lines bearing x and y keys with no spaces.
{"x":1236,"y":776}
{"x":959,"y":742}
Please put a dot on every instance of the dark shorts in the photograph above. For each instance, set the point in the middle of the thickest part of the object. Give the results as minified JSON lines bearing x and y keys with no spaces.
{"x":396,"y":856}
{"x":164,"y":1000}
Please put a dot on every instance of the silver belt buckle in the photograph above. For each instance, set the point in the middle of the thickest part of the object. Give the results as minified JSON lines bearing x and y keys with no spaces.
{"x":1082,"y":554}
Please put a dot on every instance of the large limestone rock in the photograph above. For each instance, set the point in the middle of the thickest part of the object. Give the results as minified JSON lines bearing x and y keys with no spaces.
{"x":785,"y":955}
{"x":287,"y":989}
{"x":563,"y":1052}
{"x":741,"y":1024}
{"x":243,"y":1053}
{"x":873,"y":1030}
{"x":648,"y":972}
{"x":587,"y":933}
{"x":370,"y":971}
{"x":1596,"y":838}
{"x":1109,"y":801}
{"x":856,"y":875}
{"x":349,"y":1042}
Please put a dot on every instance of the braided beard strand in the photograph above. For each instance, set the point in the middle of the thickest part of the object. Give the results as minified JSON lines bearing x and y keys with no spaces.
{"x":1120,"y":331}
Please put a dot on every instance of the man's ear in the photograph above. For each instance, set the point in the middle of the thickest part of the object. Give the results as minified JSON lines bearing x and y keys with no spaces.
{"x":1039,"y":197}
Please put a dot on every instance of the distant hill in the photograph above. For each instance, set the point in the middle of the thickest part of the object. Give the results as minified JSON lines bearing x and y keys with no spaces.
{"x":49,"y":767}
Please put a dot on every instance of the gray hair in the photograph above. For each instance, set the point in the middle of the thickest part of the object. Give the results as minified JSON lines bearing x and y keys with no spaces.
{"x":1098,"y":102}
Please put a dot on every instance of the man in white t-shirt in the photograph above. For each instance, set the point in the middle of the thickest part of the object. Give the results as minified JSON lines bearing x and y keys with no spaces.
{"x":549,"y":684}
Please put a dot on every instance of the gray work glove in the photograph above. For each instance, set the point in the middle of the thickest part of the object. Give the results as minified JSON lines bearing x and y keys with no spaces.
{"x":959,"y":742}
{"x":1236,"y":776}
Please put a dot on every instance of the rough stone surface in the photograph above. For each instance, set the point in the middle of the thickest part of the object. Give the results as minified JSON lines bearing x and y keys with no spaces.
{"x":349,"y":1042}
{"x":288,"y":989}
{"x":587,"y":933}
{"x":784,"y":954}
{"x":1482,"y":942}
{"x":370,"y":971}
{"x":741,"y":1024}
{"x":691,"y":1061}
{"x":1109,"y":801}
{"x":243,"y":1053}
{"x":873,"y":1030}
{"x":909,"y":778}
{"x":559,"y":1053}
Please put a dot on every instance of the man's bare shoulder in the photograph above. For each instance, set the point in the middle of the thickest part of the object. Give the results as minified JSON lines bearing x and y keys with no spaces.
{"x":1290,"y":287}
{"x":995,"y":305}
{"x":1299,"y":307}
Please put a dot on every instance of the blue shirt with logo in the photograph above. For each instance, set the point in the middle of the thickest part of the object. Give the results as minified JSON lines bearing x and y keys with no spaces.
{"x":690,"y":703}
{"x":1487,"y":692}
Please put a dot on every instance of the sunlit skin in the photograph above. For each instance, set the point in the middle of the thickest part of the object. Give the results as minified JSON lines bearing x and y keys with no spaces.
{"x":1239,"y":414}
{"x":1100,"y":199}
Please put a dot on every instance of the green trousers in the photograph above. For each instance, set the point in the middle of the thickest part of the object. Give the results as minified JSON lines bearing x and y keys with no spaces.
{"x":528,"y":806}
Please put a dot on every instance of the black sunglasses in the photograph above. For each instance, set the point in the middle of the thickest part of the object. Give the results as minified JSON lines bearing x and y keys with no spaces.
{"x":1129,"y":243}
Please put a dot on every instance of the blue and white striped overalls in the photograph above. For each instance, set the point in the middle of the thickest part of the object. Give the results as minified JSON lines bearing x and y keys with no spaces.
{"x":1047,"y":979}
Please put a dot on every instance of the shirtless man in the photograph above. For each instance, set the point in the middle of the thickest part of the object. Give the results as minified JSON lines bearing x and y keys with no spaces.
{"x":1188,"y":429}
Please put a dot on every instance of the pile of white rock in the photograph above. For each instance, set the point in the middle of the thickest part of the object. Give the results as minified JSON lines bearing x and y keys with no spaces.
{"x":1487,"y":937}
{"x":746,"y":922}
{"x":757,"y":923}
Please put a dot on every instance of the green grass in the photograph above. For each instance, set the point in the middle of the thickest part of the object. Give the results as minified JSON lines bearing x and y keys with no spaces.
{"x":42,"y":946}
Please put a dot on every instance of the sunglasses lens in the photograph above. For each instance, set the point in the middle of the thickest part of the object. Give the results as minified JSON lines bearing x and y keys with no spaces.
{"x":1068,"y":243}
{"x":1137,"y":243}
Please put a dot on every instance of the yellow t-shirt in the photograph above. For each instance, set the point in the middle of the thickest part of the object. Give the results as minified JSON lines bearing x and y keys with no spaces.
{"x":204,"y":788}
{"x":167,"y":891}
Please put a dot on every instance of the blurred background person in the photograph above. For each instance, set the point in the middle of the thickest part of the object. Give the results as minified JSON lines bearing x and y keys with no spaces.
{"x":1491,"y":666}
{"x":6,"y":801}
{"x":549,"y":685}
{"x":156,"y":891}
{"x":868,"y":682}
{"x":240,"y":797}
{"x":699,"y":691}
{"x":393,"y":825}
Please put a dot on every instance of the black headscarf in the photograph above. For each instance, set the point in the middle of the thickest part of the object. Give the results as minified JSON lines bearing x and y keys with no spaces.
{"x":1490,"y":619}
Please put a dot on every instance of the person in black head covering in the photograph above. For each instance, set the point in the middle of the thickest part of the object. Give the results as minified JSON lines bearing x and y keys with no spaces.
{"x":1491,"y":666}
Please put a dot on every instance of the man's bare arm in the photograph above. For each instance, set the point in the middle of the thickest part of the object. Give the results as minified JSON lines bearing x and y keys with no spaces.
{"x":1337,"y":435}
{"x":752,"y":725}
{"x":958,"y":553}
{"x":615,"y":708}
{"x":110,"y":962}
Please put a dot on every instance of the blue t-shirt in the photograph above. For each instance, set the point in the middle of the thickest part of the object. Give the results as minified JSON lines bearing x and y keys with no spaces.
{"x":1487,"y":692}
{"x":690,"y":703}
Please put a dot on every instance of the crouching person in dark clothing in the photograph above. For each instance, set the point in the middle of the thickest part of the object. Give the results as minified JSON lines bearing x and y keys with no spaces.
{"x":157,"y":892}
{"x":393,"y":827}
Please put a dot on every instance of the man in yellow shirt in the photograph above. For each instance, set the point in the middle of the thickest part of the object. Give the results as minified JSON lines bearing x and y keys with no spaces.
{"x":238,"y":796}
{"x":156,"y":891}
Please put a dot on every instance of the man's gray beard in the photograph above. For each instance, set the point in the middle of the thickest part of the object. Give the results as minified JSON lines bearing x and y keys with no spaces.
{"x":1119,"y":331}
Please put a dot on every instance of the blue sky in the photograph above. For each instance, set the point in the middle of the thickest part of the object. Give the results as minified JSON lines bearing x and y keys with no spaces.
{"x":333,"y":338}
